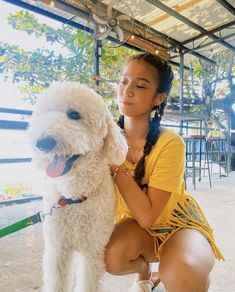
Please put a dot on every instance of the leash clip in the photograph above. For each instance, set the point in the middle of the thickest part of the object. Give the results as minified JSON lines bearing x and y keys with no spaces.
{"x":43,"y":215}
{"x":50,"y":213}
{"x":61,"y":203}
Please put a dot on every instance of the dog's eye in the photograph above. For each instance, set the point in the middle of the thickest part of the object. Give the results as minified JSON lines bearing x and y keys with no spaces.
{"x":74,"y":115}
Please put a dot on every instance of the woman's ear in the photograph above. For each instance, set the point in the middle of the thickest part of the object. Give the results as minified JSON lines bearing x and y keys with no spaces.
{"x":159,"y":99}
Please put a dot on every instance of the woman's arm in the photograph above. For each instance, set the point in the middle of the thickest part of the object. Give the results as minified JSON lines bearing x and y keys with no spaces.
{"x":145,"y":208}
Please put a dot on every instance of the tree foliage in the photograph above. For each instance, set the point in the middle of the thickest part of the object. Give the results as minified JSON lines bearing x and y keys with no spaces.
{"x":34,"y":70}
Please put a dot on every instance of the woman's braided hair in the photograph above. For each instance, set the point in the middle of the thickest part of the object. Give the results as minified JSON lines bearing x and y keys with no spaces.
{"x":164,"y":79}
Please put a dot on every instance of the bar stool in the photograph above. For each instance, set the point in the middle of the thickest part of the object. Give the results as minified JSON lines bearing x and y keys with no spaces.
{"x":217,"y":150}
{"x":197,"y":158}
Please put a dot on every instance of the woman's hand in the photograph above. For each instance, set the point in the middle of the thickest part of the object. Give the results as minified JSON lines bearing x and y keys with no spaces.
{"x":115,"y":170}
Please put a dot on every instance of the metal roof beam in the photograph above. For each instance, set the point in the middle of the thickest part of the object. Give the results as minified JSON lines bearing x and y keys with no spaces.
{"x":178,"y":65}
{"x":207,"y":45}
{"x":219,"y":28}
{"x":36,"y":9}
{"x":197,"y":55}
{"x":202,"y":57}
{"x":174,"y":42}
{"x":190,"y":23}
{"x":227,"y":6}
{"x":49,"y":14}
{"x":202,"y":46}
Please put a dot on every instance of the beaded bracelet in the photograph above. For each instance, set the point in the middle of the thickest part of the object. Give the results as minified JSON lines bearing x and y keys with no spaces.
{"x":117,"y":169}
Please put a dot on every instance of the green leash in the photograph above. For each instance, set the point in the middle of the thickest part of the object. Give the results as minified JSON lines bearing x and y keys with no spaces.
{"x":21,"y":224}
{"x":38,"y":217}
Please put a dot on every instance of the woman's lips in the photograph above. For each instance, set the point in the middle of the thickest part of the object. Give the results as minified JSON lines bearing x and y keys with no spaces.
{"x":125,"y":103}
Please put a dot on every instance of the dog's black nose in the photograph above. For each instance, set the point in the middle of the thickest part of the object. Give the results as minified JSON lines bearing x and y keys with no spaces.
{"x":46,"y":144}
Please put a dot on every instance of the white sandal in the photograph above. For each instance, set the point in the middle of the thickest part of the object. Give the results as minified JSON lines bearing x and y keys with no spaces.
{"x":145,"y":285}
{"x":142,"y":286}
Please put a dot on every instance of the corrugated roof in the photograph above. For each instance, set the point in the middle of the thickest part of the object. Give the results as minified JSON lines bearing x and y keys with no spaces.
{"x":202,"y":15}
{"x":195,"y":27}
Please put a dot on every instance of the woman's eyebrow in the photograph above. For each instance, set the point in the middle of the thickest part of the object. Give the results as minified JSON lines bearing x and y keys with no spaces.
{"x":143,"y":79}
{"x":138,"y":78}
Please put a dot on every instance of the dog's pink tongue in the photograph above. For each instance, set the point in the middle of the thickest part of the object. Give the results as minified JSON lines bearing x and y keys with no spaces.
{"x":56,"y":167}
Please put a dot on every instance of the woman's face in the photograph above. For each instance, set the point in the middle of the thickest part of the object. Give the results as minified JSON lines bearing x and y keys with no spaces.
{"x":137,"y":91}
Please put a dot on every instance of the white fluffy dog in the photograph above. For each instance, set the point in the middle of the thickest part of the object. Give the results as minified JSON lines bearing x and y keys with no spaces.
{"x":75,"y":139}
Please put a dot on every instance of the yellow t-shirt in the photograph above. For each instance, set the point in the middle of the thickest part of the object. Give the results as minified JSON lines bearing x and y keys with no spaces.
{"x":164,"y":169}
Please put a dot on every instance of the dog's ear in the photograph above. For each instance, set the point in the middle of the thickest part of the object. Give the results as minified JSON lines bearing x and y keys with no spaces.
{"x":115,"y":145}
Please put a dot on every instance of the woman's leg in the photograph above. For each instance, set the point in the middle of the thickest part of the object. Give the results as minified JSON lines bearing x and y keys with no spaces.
{"x":130,"y":250}
{"x":186,"y":260}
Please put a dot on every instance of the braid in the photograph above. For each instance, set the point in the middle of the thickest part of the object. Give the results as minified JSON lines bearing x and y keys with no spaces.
{"x":151,"y":139}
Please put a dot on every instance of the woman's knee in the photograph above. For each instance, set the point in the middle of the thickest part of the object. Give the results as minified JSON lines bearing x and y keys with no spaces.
{"x":127,"y":243}
{"x":114,"y":257}
{"x":180,"y":265}
{"x":185,"y":273}
{"x":186,"y":256}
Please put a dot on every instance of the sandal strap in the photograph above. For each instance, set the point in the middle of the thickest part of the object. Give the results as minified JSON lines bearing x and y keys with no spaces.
{"x":142,"y":286}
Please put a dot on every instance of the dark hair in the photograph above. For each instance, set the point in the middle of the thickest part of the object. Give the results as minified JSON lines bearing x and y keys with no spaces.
{"x":164,"y":80}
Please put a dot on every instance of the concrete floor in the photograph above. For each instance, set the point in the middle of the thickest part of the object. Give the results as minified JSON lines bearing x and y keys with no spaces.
{"x":21,"y":252}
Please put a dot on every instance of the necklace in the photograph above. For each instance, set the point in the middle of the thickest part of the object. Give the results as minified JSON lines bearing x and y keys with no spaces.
{"x":134,"y":154}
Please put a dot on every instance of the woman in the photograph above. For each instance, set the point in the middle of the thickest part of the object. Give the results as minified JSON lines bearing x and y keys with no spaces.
{"x":156,"y":219}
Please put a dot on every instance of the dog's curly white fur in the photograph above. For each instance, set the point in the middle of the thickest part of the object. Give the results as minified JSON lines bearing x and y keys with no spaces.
{"x":75,"y":139}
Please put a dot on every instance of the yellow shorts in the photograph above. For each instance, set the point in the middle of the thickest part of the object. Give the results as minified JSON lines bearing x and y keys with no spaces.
{"x":187,"y":216}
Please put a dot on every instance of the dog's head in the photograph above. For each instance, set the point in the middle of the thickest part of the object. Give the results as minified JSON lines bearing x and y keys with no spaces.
{"x":69,"y":121}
